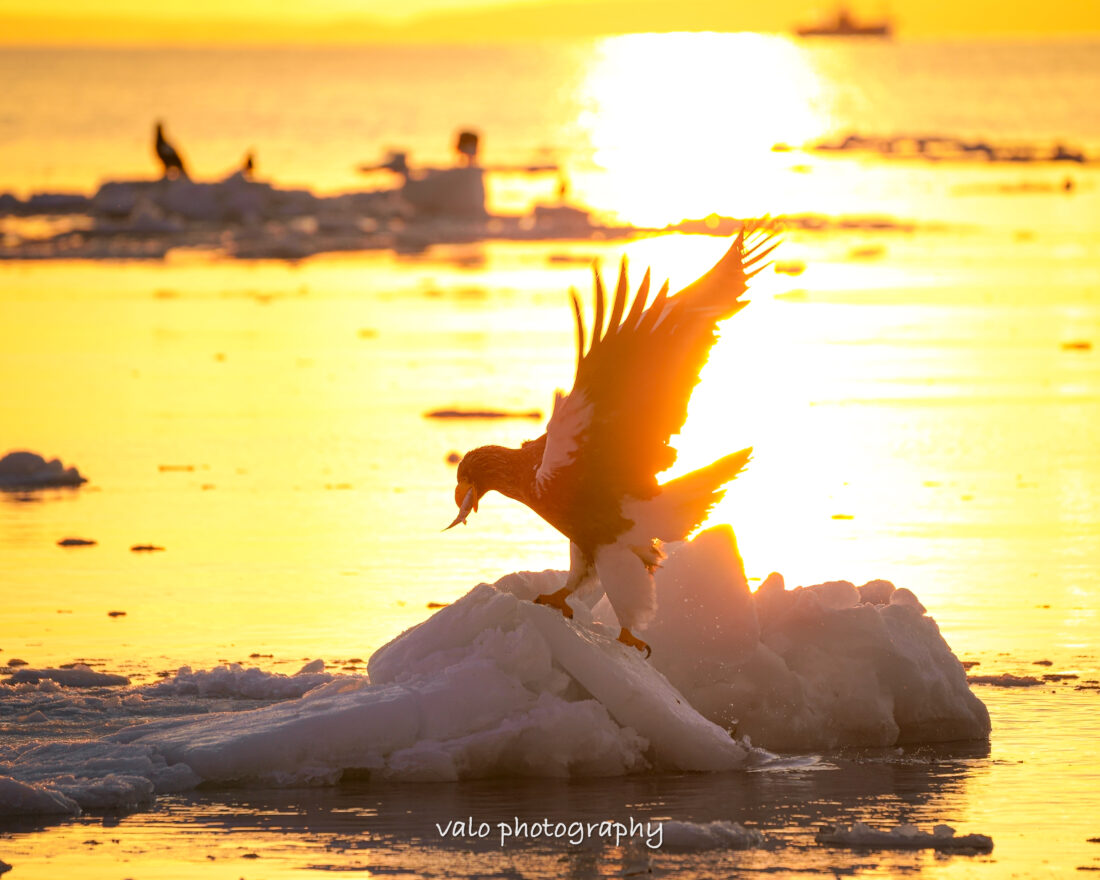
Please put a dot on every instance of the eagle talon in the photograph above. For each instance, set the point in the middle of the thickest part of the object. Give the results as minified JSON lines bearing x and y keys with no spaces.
{"x":557,"y":600}
{"x":628,"y":638}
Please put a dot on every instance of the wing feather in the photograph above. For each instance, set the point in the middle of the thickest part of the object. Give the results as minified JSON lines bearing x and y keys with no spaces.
{"x":609,"y":437}
{"x":579,"y":315}
{"x":639,"y":304}
{"x":621,"y":291}
{"x":597,"y":322}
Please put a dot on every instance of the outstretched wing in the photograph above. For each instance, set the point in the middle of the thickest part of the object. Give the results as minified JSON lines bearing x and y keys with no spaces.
{"x":610,"y":436}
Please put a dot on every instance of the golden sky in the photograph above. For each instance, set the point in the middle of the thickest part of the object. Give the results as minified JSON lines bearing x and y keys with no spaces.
{"x":281,"y":21}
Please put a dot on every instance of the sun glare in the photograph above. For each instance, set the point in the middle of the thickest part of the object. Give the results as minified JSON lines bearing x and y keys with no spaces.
{"x":678,"y":123}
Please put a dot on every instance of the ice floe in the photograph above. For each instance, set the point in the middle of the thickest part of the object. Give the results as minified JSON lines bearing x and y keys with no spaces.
{"x":79,"y":676}
{"x":22,"y":470}
{"x":494,"y":685}
{"x":710,"y":835}
{"x":239,"y":682}
{"x":1005,"y":680}
{"x":903,"y":837}
{"x":816,"y":667}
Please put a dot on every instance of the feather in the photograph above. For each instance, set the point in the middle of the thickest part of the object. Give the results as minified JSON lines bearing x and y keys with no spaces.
{"x":580,"y":325}
{"x":620,"y":301}
{"x":597,"y":322}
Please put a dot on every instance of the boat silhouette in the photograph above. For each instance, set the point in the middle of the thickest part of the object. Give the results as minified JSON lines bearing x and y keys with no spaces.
{"x":844,"y":25}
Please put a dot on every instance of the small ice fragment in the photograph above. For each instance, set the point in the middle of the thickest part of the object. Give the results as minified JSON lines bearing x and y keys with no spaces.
{"x":312,"y":667}
{"x":1005,"y":679}
{"x":116,"y":613}
{"x":76,"y":542}
{"x":145,"y":548}
{"x":533,"y":414}
{"x":903,"y":837}
{"x":710,"y":835}
{"x":78,"y":676}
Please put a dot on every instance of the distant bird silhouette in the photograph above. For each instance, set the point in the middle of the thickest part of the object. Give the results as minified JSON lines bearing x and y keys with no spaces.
{"x":593,"y":474}
{"x":467,"y":145}
{"x":168,"y":155}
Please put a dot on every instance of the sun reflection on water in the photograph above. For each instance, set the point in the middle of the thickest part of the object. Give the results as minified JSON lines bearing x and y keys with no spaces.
{"x":683,"y":124}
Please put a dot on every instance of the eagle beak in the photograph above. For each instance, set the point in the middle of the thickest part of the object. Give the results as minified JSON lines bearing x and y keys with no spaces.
{"x":468,"y":494}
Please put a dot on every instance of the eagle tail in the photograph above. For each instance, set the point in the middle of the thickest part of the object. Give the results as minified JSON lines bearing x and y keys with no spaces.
{"x":685,"y":502}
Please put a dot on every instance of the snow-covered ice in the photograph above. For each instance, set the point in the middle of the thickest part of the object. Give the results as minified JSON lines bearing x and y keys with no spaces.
{"x":710,"y":835}
{"x":817,"y":667}
{"x":493,"y":685}
{"x":903,"y":837}
{"x":239,"y":682}
{"x":29,"y":470}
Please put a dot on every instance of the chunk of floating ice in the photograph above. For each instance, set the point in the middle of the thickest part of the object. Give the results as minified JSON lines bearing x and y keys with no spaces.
{"x":903,"y":837}
{"x":490,"y":685}
{"x":809,"y":668}
{"x":493,"y":685}
{"x":236,"y":681}
{"x":26,"y":799}
{"x":1005,"y":680}
{"x":29,"y":470}
{"x":67,"y":777}
{"x":709,"y":835}
{"x":79,"y":676}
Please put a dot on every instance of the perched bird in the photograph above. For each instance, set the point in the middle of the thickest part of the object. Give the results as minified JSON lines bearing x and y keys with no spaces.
{"x":248,"y":167}
{"x":593,"y":474}
{"x":168,"y":155}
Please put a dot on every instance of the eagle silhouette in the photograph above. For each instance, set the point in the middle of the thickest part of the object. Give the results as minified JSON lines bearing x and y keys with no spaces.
{"x":593,"y":474}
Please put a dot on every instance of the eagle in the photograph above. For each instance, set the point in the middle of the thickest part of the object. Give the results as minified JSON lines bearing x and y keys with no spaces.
{"x":168,"y":155}
{"x":593,"y":474}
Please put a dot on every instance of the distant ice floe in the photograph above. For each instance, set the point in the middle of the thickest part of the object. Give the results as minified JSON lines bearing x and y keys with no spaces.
{"x":942,"y":837}
{"x":494,"y":685}
{"x":710,"y":835}
{"x":78,"y":676}
{"x":1005,"y":680}
{"x":21,"y":470}
{"x":237,"y":682}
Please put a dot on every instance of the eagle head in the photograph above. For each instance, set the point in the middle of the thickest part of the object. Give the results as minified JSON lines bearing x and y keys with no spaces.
{"x":473,"y":481}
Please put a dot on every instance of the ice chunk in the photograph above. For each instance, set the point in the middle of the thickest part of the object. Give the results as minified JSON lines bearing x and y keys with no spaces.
{"x":236,"y":681}
{"x":903,"y":837}
{"x":79,"y":675}
{"x":710,"y":835}
{"x":67,"y":777}
{"x":490,"y":685}
{"x":1005,"y":680}
{"x":808,"y":668}
{"x":26,"y":799}
{"x":494,"y":685}
{"x":29,"y":470}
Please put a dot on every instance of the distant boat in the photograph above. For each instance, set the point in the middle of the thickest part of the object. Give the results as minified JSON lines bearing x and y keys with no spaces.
{"x":846,"y":26}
